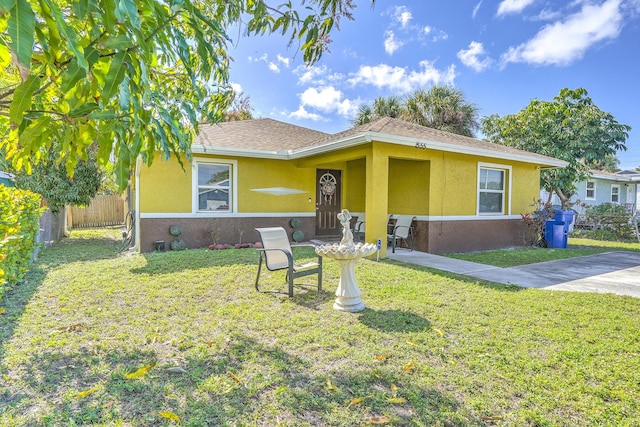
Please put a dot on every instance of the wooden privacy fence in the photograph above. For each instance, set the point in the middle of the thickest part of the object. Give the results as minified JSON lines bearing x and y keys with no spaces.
{"x":103,"y":211}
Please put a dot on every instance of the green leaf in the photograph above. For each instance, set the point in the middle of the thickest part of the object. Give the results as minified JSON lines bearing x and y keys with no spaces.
{"x":5,"y":6}
{"x":22,"y":98}
{"x":124,"y":95}
{"x":32,"y":134}
{"x":80,"y":7}
{"x":68,"y":33}
{"x":83,"y":109}
{"x":102,"y":115}
{"x":118,"y":42}
{"x":72,"y":75}
{"x":122,"y":166}
{"x":109,"y":16}
{"x":21,"y":27}
{"x":127,"y":9}
{"x":114,"y":76}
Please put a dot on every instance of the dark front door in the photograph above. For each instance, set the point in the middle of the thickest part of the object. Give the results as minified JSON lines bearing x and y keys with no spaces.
{"x":328,"y":196}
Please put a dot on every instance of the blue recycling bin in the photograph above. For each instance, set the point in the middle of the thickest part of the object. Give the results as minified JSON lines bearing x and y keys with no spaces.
{"x":556,"y":233}
{"x":564,"y":216}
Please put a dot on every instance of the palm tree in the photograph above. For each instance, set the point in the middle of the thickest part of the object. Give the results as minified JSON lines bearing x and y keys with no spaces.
{"x":444,"y":108}
{"x":440,"y":107}
{"x":391,"y":106}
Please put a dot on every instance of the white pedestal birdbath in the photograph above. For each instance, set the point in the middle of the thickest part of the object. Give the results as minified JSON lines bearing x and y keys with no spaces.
{"x":347,"y":255}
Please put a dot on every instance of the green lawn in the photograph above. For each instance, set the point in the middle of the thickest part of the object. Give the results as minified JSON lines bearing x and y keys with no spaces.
{"x":430,"y":349}
{"x":530,"y":255}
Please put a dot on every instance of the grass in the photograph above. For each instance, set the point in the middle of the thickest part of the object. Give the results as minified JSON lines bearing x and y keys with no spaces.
{"x":206,"y":348}
{"x":530,"y":255}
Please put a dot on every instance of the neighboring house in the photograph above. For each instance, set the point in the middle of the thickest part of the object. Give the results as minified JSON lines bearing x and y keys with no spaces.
{"x":6,"y":179}
{"x":465,"y":194}
{"x":604,"y":187}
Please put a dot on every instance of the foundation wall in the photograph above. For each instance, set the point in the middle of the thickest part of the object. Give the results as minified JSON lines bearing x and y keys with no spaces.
{"x":201,"y":232}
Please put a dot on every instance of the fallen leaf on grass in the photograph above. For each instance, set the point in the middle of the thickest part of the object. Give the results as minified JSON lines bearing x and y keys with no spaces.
{"x":177,"y":370}
{"x":409,"y":366}
{"x":396,"y":400}
{"x":411,"y":342}
{"x":394,"y":389}
{"x":235,"y":377}
{"x":280,"y":390}
{"x":140,"y":372}
{"x":382,"y":357}
{"x":438,"y":331}
{"x":209,"y":343}
{"x":377,"y":420}
{"x":87,"y":392}
{"x":376,"y":374}
{"x":330,"y":385}
{"x":355,"y":401}
{"x":170,"y":416}
{"x":493,"y":418}
{"x":72,"y":328}
{"x":2,"y":310}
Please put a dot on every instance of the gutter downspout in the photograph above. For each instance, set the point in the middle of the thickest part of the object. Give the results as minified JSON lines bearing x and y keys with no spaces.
{"x":136,"y":246}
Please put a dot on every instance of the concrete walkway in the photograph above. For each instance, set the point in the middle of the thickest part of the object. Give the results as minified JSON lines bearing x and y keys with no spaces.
{"x":611,"y":272}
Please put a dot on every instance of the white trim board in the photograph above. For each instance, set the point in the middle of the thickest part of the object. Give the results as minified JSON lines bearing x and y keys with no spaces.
{"x":166,"y":215}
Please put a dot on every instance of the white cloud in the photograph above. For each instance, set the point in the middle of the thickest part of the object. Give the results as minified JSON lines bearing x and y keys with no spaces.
{"x":476,"y":9}
{"x":318,"y":75}
{"x":565,"y":41}
{"x":512,"y":6}
{"x":402,"y":15}
{"x":475,"y":57}
{"x":274,"y":67}
{"x":399,"y":79}
{"x":436,"y":35}
{"x":237,"y":88}
{"x":283,"y":60}
{"x":328,"y":100}
{"x":391,"y":44}
{"x":264,"y":58}
{"x":302,"y":114}
{"x":547,"y":15}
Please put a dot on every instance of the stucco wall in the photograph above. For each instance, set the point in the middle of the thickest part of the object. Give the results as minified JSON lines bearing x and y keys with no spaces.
{"x":430,"y":184}
{"x":166,"y":187}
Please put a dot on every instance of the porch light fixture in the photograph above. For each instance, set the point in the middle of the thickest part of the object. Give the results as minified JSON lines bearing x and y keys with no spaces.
{"x":278,"y":191}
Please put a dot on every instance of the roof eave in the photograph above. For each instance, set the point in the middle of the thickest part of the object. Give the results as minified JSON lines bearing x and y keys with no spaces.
{"x":365,"y":137}
{"x":240,"y":152}
{"x":548,"y":162}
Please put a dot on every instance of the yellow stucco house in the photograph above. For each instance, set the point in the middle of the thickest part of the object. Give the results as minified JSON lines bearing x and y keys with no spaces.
{"x":465,"y":194}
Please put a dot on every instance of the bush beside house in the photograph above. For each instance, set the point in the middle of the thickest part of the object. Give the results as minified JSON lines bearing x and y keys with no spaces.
{"x":19,"y":223}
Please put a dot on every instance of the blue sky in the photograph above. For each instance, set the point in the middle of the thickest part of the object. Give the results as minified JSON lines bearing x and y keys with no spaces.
{"x":501,"y":54}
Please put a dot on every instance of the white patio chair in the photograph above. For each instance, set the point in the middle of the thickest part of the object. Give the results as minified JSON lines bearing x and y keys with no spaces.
{"x":277,"y":255}
{"x":402,"y":232}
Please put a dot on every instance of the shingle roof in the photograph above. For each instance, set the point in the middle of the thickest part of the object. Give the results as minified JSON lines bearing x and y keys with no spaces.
{"x":396,"y":127}
{"x":273,"y":136}
{"x":256,"y":134}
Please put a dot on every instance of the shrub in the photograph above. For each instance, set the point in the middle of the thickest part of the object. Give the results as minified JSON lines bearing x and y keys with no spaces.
{"x":613,"y":221}
{"x":535,"y":222}
{"x":19,"y":223}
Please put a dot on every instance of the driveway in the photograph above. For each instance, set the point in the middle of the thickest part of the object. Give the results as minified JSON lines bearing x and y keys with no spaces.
{"x":612,"y":272}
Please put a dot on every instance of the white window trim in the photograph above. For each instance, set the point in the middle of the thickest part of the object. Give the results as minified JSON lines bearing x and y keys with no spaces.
{"x":611,"y":197}
{"x":586,"y":192}
{"x":507,"y":193}
{"x":194,"y":184}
